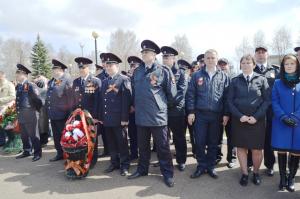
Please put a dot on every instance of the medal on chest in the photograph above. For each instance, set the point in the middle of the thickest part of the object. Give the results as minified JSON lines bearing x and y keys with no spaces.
{"x":90,"y":88}
{"x":112,"y":87}
{"x":153,"y":79}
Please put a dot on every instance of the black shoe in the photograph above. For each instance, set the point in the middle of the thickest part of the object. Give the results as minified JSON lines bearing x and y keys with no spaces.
{"x":249,"y":169}
{"x":244,"y":180}
{"x":110,"y":169}
{"x":23,"y":155}
{"x":197,"y":173}
{"x":212,"y":173}
{"x":256,"y":179}
{"x":135,"y":175}
{"x":269,"y":172}
{"x":56,"y":158}
{"x":181,"y":167}
{"x":36,"y":158}
{"x":169,"y":182}
{"x":156,"y":164}
{"x":218,"y":160}
{"x":124,"y":172}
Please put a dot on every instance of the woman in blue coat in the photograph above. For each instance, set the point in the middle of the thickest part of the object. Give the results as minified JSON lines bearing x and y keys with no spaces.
{"x":286,"y":121}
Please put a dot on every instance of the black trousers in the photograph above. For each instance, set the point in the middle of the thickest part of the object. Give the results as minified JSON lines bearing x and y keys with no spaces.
{"x":230,"y":148}
{"x":101,"y":131}
{"x":118,"y":146}
{"x":191,"y":132}
{"x":132,"y":132}
{"x":30,"y":137}
{"x":43,"y":124}
{"x":160,"y":137}
{"x":57,"y":128}
{"x":177,"y":126}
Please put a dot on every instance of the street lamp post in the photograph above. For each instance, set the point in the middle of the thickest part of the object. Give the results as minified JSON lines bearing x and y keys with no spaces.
{"x":81,"y":46}
{"x":95,"y":36}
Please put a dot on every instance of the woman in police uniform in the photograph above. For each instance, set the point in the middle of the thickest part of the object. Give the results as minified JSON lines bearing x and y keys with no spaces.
{"x":248,"y":101}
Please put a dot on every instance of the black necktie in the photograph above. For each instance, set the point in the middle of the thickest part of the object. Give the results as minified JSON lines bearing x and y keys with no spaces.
{"x":248,"y":79}
{"x":82,"y":82}
{"x":262,"y":68}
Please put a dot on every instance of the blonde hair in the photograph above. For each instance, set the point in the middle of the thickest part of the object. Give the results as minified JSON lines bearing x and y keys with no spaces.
{"x":211,"y":51}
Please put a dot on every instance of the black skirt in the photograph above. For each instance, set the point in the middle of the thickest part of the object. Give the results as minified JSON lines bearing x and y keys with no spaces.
{"x":249,"y":136}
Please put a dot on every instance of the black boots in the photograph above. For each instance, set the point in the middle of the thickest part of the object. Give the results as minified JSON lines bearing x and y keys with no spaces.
{"x":293,"y":167}
{"x":282,"y":161}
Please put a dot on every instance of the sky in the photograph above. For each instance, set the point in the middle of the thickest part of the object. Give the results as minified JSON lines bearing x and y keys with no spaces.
{"x":218,"y":24}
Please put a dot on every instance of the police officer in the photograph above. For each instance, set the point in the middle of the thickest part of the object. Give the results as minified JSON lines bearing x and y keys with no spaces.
{"x":59,"y":103}
{"x":154,"y":86}
{"x":200,"y":60}
{"x":191,"y":68}
{"x":114,"y":114}
{"x":271,"y":72}
{"x":102,"y":76}
{"x":205,"y":104}
{"x":28,"y":103}
{"x":133,"y":62}
{"x":176,"y":109}
{"x":86,"y":91}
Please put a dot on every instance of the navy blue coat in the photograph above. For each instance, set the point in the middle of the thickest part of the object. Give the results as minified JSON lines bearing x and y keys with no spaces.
{"x":177,"y":108}
{"x":28,"y":102}
{"x":153,"y":89}
{"x":285,"y":102}
{"x":103,"y":75}
{"x":59,"y":98}
{"x":87,"y":96}
{"x":208,"y":95}
{"x":115,"y":100}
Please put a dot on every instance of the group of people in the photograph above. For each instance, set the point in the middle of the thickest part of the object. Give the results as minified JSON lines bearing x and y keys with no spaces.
{"x":259,"y":109}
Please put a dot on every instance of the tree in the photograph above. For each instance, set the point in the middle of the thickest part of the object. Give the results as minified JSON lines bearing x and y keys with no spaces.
{"x":244,"y":48}
{"x":282,"y":42}
{"x":12,"y":52}
{"x":40,"y":60}
{"x":182,"y":45}
{"x":259,"y":39}
{"x":124,"y":44}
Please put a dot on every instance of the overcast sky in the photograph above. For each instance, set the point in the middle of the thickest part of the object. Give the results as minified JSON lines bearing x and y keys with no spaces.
{"x":219,"y":24}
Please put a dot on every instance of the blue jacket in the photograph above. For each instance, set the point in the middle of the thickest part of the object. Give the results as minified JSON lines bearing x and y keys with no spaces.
{"x":115,"y":100}
{"x":153,"y":89}
{"x":208,"y":95}
{"x":285,"y":102}
{"x":103,"y":75}
{"x":177,"y":108}
{"x":59,"y":98}
{"x":86,"y":96}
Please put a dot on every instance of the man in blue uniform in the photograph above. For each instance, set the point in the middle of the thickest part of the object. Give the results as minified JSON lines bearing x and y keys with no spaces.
{"x":176,"y":110}
{"x":114,"y":114}
{"x":134,"y":62}
{"x":153,"y":88}
{"x":59,"y":103}
{"x":206,"y":105}
{"x":86,"y":91}
{"x":28,"y":103}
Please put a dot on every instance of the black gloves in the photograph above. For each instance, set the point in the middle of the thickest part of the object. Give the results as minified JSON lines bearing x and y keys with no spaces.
{"x":289,"y":121}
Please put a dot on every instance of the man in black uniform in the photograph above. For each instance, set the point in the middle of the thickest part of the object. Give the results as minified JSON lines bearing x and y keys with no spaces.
{"x":176,"y":109}
{"x":153,"y":88}
{"x":114,"y":114}
{"x":28,"y":103}
{"x":102,"y":76}
{"x":134,"y":62}
{"x":271,"y":72}
{"x":86,"y":91}
{"x":59,"y":103}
